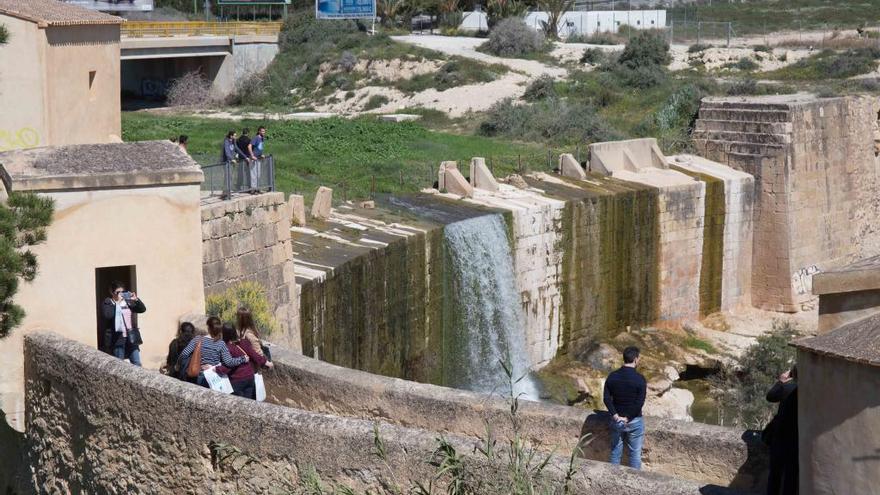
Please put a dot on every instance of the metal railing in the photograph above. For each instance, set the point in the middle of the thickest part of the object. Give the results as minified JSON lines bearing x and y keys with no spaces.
{"x":227,"y":178}
{"x":137,"y":29}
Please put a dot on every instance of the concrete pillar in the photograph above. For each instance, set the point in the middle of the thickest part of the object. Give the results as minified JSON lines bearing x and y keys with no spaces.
{"x":481,"y":176}
{"x":321,"y":205}
{"x":297,"y":209}
{"x":457,"y":184}
{"x":569,"y":167}
{"x":441,"y":174}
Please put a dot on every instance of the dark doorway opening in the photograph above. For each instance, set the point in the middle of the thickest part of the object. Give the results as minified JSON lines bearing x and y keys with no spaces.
{"x":104,"y":276}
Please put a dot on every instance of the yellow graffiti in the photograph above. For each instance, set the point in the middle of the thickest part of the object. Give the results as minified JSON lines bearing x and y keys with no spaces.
{"x":26,"y":137}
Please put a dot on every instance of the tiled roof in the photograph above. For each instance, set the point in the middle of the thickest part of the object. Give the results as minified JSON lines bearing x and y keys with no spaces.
{"x":858,"y":342}
{"x":55,"y":13}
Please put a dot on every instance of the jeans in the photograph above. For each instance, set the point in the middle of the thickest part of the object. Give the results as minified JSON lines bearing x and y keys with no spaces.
{"x":133,"y":354}
{"x":254,"y":167}
{"x":631,"y":433}
{"x":245,"y":388}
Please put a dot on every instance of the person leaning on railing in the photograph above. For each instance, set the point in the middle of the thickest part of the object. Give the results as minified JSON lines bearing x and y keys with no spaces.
{"x":230,"y":153}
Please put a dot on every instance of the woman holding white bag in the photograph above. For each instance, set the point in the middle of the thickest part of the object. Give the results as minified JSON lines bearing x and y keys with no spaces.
{"x":213,"y":351}
{"x":242,"y":377}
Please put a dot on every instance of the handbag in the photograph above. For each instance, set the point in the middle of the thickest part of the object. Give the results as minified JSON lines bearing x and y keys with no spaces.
{"x":260,"y":387}
{"x":194,"y":367}
{"x":266,"y":352}
{"x":134,"y":337}
{"x":217,"y":382}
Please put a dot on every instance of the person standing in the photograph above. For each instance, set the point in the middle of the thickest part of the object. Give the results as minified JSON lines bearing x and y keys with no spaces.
{"x":122,"y":337}
{"x":229,"y":154}
{"x":244,"y":144}
{"x":182,"y":143}
{"x":242,"y":376}
{"x":624,"y":397}
{"x":257,"y":145}
{"x":213,"y":350}
{"x":781,"y":435}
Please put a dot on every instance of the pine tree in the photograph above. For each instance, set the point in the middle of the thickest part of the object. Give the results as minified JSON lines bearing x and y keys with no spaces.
{"x":23,"y":222}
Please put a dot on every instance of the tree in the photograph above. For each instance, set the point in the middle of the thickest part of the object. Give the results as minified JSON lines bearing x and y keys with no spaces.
{"x":23,"y":222}
{"x":498,"y":10}
{"x":555,"y":10}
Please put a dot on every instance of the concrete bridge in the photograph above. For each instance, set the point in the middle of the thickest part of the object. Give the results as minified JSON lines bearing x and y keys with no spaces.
{"x":226,"y":53}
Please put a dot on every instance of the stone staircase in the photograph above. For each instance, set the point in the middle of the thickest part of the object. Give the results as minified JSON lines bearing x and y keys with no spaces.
{"x":735,"y":132}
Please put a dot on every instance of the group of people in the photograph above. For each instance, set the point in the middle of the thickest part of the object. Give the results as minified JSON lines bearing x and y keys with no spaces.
{"x":228,"y":352}
{"x":246,"y":154}
{"x":624,"y":397}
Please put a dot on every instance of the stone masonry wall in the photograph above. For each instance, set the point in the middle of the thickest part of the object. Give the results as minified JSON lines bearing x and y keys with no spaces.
{"x":705,"y":453}
{"x":681,"y":250}
{"x":816,"y":183}
{"x":248,"y":239}
{"x":99,"y":425}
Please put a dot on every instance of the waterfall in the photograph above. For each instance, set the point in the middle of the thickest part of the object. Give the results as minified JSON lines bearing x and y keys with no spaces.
{"x":483,"y":314}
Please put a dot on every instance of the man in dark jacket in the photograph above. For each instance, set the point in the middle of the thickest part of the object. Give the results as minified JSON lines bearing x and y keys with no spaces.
{"x":624,"y":397}
{"x":122,"y":337}
{"x":782,"y":436}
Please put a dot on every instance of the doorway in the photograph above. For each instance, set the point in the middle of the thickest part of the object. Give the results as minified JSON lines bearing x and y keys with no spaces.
{"x":104,"y":276}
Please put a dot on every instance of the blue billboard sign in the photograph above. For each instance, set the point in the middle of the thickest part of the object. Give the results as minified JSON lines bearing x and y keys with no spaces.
{"x":345,"y":9}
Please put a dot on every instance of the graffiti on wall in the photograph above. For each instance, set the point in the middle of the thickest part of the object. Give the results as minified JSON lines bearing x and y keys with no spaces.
{"x":13,"y":139}
{"x":802,"y":280}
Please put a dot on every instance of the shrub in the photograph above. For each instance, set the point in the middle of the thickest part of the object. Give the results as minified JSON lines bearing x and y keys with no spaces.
{"x":826,"y":92}
{"x":762,"y":48}
{"x":347,"y":61}
{"x":250,"y":295}
{"x":4,"y":34}
{"x":601,"y":39}
{"x":642,"y":77}
{"x":698,"y":47}
{"x":828,"y":64}
{"x":744,"y":64}
{"x":593,"y":56}
{"x":540,"y":89}
{"x":645,"y":49}
{"x":512,"y":38}
{"x":743,"y":87}
{"x":375,"y":101}
{"x":746,"y":385}
{"x":190,"y":89}
{"x":550,"y":120}
{"x":301,"y":28}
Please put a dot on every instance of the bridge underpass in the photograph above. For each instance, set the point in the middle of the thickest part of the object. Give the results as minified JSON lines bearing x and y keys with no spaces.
{"x":225,"y":53}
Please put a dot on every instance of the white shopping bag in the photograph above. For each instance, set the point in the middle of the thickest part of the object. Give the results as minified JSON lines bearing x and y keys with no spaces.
{"x":260,"y":386}
{"x":217,"y":382}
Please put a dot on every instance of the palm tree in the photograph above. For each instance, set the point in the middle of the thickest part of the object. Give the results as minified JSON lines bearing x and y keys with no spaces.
{"x":555,"y":10}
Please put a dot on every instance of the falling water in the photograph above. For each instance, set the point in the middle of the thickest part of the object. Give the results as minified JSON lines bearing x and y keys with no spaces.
{"x":483,"y":310}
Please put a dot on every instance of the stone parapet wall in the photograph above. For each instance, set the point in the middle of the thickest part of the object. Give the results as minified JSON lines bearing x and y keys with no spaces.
{"x":99,"y":425}
{"x":816,"y":178}
{"x":705,"y":453}
{"x":247,"y":238}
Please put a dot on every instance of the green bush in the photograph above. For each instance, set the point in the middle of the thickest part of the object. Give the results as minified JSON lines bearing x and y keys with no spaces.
{"x":593,"y":56}
{"x":552,"y":120}
{"x":744,"y":64}
{"x":746,"y":385}
{"x":250,"y":295}
{"x":829,"y":64}
{"x":641,"y":77}
{"x":512,"y":38}
{"x":762,"y":48}
{"x":645,"y":49}
{"x":698,"y":47}
{"x":598,"y":39}
{"x":540,"y":89}
{"x":375,"y":101}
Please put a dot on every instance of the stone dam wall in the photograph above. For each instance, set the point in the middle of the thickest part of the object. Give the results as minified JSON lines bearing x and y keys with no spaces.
{"x":98,"y":425}
{"x":816,"y":177}
{"x":247,"y":238}
{"x":591,"y":257}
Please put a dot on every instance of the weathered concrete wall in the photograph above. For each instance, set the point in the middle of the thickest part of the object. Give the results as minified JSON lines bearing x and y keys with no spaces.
{"x":726,"y":272}
{"x":838,"y":413}
{"x":816,"y":179}
{"x":97,"y":425}
{"x":710,"y":454}
{"x":248,"y":239}
{"x":848,"y":294}
{"x":250,"y":56}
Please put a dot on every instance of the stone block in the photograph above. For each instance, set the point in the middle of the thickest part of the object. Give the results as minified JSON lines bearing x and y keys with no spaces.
{"x":457,"y":184}
{"x":297,"y":209}
{"x":481,"y":176}
{"x":569,"y":167}
{"x":322,"y":204}
{"x":367,"y":205}
{"x":441,"y":173}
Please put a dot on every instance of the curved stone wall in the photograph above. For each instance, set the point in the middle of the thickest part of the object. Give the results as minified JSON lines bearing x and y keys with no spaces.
{"x":98,"y":425}
{"x":706,"y":453}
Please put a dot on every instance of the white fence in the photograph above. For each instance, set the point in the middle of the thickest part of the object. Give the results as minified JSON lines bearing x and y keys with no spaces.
{"x":580,"y":23}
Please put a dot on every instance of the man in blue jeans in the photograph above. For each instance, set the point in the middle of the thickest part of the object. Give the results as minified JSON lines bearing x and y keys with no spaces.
{"x":624,"y":397}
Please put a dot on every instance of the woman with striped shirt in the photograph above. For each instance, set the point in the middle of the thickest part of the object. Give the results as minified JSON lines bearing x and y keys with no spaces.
{"x":214,"y":350}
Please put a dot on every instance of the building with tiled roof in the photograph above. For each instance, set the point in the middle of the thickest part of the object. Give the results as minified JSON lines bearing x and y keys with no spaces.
{"x":59,"y":75}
